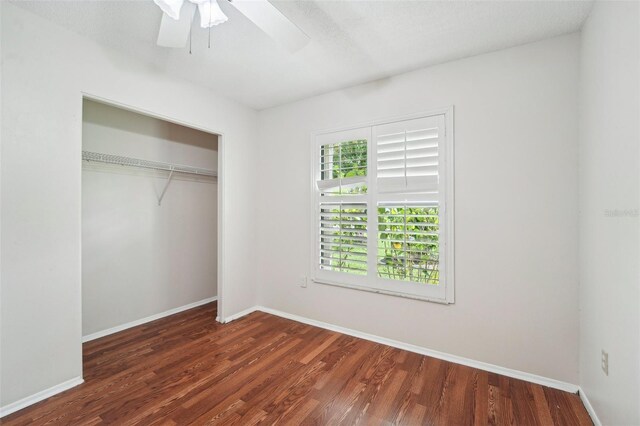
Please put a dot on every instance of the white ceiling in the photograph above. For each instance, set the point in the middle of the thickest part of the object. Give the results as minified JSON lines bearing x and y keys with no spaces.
{"x":352,"y":42}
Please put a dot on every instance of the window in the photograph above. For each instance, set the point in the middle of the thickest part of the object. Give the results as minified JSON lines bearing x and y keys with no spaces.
{"x":383,"y":208}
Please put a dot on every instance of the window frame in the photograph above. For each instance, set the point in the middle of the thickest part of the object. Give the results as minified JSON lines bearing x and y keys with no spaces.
{"x":444,"y":293}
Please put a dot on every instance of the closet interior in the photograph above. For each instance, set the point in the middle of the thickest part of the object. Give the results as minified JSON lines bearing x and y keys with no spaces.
{"x":149,"y":218}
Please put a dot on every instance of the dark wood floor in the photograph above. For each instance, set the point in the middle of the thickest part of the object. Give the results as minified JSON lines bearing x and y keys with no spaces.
{"x":187,"y":369}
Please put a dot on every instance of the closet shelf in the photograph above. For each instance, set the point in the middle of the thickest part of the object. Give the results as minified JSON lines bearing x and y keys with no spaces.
{"x":155,"y":165}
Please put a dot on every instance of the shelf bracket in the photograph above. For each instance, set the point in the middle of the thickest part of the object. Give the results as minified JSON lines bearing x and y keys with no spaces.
{"x":165,"y":187}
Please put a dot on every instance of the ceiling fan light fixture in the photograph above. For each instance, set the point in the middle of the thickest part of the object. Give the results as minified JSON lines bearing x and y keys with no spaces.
{"x":210,"y":13}
{"x":170,"y":7}
{"x":177,"y":20}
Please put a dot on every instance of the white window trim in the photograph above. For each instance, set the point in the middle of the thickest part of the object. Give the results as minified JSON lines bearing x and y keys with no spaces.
{"x":449,"y":210}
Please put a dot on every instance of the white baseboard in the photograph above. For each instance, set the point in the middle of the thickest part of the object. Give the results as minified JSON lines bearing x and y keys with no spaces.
{"x":592,"y":413}
{"x":241,"y":314}
{"x":37,"y":397}
{"x":516,"y":374}
{"x":118,"y":328}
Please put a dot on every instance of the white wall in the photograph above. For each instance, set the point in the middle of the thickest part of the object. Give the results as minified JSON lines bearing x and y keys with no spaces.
{"x":138,"y":258}
{"x":45,"y":70}
{"x":516,"y":202}
{"x":609,"y":201}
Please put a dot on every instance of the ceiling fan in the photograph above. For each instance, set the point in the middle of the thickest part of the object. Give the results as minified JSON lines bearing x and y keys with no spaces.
{"x":178,"y":16}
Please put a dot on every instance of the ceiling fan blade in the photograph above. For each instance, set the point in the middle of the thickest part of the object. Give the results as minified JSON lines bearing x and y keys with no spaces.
{"x":273,"y":23}
{"x":175,"y":32}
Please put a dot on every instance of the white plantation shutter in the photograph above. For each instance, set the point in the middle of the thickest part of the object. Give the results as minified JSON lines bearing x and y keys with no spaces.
{"x":407,"y":155}
{"x":343,"y":237}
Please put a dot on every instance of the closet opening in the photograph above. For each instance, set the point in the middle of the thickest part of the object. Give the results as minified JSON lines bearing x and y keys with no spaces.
{"x":150,"y":218}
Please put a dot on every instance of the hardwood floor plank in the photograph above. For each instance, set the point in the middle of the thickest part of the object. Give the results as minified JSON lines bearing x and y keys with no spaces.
{"x":340,"y":388}
{"x":542,"y":406}
{"x":299,"y":416}
{"x":415,"y":415}
{"x":262,"y":369}
{"x":577,"y":407}
{"x":493,"y":409}
{"x":481,"y":391}
{"x":291,"y":396}
{"x":386,"y":400}
{"x":506,"y":406}
{"x":435,"y":380}
{"x":317,"y":350}
{"x":375,"y":378}
{"x":523,"y":402}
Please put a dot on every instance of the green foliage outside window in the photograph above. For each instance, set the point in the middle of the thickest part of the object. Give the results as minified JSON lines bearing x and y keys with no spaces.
{"x":344,"y":160}
{"x":408,"y":244}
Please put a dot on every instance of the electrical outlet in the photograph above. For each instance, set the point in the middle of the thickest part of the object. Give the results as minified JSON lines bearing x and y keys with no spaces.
{"x":303,"y":282}
{"x":605,"y":362}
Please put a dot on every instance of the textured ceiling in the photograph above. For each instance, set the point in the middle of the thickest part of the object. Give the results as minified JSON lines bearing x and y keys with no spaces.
{"x":352,"y":42}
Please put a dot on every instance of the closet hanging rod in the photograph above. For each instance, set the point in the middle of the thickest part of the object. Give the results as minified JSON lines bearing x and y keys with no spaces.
{"x":155,"y":165}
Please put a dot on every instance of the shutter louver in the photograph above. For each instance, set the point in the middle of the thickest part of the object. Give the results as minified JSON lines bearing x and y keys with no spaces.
{"x":343,"y":237}
{"x":407,"y":156}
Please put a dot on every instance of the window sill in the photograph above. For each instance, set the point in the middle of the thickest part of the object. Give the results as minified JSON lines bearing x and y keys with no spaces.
{"x":385,"y":292}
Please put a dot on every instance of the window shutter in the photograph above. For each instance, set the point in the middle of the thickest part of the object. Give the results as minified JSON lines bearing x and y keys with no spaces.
{"x":343,"y":237}
{"x":407,"y":155}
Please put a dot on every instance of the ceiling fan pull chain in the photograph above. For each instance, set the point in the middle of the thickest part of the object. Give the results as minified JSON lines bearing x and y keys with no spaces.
{"x":190,"y":39}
